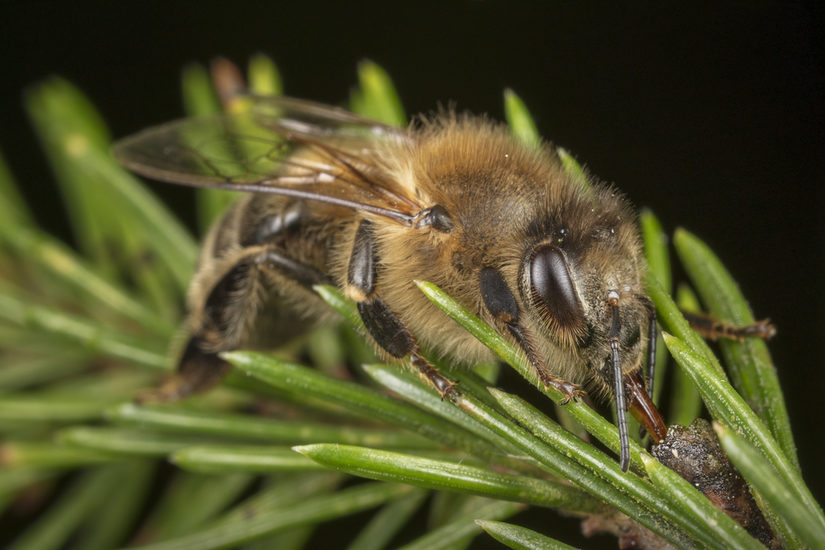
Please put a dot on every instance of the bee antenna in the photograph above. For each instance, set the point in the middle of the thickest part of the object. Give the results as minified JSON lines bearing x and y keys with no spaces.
{"x":618,"y":381}
{"x":651,"y":354}
{"x":651,"y":359}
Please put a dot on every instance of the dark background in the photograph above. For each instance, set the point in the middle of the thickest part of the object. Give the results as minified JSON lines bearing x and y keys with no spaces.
{"x":712,"y":116}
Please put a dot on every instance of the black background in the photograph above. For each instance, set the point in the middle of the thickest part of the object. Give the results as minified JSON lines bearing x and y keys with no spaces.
{"x":712,"y":116}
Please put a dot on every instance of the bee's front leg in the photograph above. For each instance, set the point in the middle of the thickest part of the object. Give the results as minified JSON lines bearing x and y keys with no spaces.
{"x":501,"y":303}
{"x":382,"y":323}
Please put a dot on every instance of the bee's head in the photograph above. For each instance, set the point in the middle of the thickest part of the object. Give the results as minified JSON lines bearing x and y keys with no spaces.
{"x":584,"y":289}
{"x":574,"y":255}
{"x":588,"y":300}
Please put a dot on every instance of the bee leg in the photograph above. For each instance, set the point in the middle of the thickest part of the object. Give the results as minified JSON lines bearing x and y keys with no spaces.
{"x":197,"y":371}
{"x":713,"y":329}
{"x":221,"y":325}
{"x":380,"y":320}
{"x":393,"y":337}
{"x":502,"y":305}
{"x":569,"y":390}
{"x":213,"y":329}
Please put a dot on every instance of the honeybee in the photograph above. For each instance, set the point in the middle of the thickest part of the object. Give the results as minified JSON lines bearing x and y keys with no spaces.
{"x":552,"y":262}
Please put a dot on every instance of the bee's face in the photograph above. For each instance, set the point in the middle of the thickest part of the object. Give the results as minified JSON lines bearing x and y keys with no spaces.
{"x":571,"y":282}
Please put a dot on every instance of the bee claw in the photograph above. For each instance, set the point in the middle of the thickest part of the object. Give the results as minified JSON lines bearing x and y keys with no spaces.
{"x":714,"y":329}
{"x":172,"y":388}
{"x":575,"y":395}
{"x":568,"y":389}
{"x":450,"y":392}
{"x":764,"y":329}
{"x":443,"y":385}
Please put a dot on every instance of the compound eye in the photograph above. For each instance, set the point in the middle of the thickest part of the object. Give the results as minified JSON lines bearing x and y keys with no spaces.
{"x":552,"y":287}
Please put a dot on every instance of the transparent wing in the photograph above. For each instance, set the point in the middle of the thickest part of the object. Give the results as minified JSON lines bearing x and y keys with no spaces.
{"x":277,"y":145}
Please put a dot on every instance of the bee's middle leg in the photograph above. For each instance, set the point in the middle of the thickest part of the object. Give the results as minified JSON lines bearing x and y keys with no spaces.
{"x":382,"y":323}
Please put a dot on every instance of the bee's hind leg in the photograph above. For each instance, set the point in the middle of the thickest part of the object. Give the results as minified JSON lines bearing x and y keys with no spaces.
{"x":380,"y":320}
{"x":221,"y":323}
{"x":197,"y":371}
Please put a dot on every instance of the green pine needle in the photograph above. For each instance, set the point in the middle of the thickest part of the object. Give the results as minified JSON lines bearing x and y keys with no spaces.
{"x":520,"y":120}
{"x":520,"y":538}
